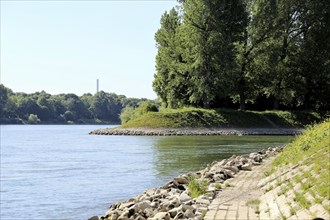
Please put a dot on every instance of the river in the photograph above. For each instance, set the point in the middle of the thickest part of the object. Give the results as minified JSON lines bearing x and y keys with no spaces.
{"x":61,"y":172}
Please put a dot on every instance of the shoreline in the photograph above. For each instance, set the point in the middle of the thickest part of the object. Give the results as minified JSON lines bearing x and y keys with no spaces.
{"x":196,"y":131}
{"x":174,"y":201}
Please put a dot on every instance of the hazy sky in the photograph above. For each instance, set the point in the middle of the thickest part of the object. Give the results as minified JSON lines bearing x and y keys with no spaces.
{"x":64,"y":46}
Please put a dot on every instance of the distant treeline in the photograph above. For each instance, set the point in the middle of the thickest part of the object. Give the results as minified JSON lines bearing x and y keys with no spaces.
{"x":41,"y":107}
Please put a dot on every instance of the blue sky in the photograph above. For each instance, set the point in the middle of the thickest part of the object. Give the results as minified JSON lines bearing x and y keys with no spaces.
{"x":64,"y":46}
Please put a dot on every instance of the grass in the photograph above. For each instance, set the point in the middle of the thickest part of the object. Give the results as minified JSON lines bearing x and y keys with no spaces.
{"x":301,"y":199}
{"x":312,"y":151}
{"x":253,"y":202}
{"x":293,"y":211}
{"x":227,"y":184}
{"x":197,"y":188}
{"x":206,"y":118}
{"x":217,"y":186}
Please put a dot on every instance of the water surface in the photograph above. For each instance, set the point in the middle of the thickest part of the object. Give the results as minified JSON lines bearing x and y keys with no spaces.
{"x":61,"y":172}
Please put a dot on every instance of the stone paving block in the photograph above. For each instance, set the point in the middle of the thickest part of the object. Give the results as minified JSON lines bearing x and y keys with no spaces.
{"x":243,"y":211}
{"x":283,"y":206}
{"x":293,"y":217}
{"x":319,"y":211}
{"x":274,"y":212}
{"x":252,"y":214}
{"x":231,"y":215}
{"x":303,"y":214}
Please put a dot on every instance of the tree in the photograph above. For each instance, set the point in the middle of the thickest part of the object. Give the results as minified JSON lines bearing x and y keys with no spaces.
{"x":196,"y":51}
{"x":106,"y":106}
{"x":3,"y":99}
{"x":33,"y":119}
{"x":170,"y":80}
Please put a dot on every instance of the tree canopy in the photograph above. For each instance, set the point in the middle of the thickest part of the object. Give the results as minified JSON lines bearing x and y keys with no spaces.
{"x":275,"y":52}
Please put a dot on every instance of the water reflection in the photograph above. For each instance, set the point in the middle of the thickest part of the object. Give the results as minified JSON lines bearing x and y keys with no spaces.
{"x":177,"y":155}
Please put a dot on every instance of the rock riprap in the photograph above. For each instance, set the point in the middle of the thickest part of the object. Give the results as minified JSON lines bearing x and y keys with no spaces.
{"x":173,"y":200}
{"x":195,"y":131}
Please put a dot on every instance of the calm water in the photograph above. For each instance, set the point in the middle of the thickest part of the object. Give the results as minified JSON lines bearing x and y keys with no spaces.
{"x":61,"y":172}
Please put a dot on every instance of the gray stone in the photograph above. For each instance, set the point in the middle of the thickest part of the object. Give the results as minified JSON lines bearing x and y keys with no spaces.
{"x":139,"y":218}
{"x":94,"y":218}
{"x":149,"y":212}
{"x":124,"y":216}
{"x":247,"y":166}
{"x":234,"y":169}
{"x":161,"y":215}
{"x":181,"y":180}
{"x":180,"y":215}
{"x":173,"y":212}
{"x":184,"y":197}
{"x":126,"y":205}
{"x":142,"y":205}
{"x":202,"y":201}
{"x":189,"y":213}
{"x":150,"y":192}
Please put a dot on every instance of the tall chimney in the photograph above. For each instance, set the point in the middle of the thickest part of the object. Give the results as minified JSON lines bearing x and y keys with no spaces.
{"x":97,"y":85}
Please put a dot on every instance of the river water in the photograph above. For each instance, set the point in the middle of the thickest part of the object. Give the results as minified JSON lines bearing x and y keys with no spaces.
{"x":61,"y":172}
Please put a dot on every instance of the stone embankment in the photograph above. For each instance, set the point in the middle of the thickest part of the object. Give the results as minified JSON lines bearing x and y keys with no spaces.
{"x":196,"y":131}
{"x":173,"y":200}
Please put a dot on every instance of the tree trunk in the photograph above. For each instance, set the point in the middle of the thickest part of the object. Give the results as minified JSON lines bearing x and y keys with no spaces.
{"x":276,"y":104}
{"x":242,"y":106}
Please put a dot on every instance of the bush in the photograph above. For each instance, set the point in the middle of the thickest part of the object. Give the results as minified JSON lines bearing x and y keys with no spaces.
{"x":197,"y":188}
{"x":129,"y":113}
{"x":33,"y":119}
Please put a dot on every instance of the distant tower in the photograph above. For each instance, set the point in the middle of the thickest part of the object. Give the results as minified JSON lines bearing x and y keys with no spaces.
{"x":97,"y":85}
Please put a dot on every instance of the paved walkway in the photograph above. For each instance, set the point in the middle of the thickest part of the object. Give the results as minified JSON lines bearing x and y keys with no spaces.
{"x":240,"y":200}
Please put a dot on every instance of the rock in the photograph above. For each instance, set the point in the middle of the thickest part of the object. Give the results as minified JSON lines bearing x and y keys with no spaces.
{"x":139,"y":218}
{"x":170,"y":204}
{"x":186,"y":207}
{"x":160,"y":216}
{"x":126,"y":205}
{"x":142,"y":206}
{"x":180,"y":215}
{"x":189,"y":213}
{"x":181,"y":187}
{"x":234,"y":169}
{"x":123,"y":216}
{"x":184,"y":197}
{"x":202,"y":201}
{"x":247,"y":166}
{"x":94,"y":218}
{"x":150,"y":192}
{"x":243,"y":160}
{"x":227,"y":174}
{"x":149,"y":212}
{"x":181,"y":180}
{"x":219,"y":177}
{"x":173,"y":212}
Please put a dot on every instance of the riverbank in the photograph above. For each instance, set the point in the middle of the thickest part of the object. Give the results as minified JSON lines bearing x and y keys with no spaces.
{"x":287,"y":183}
{"x":188,"y":195}
{"x":196,"y":131}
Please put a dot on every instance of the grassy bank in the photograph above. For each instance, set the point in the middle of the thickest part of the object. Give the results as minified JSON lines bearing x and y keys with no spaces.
{"x":310,"y":153}
{"x":201,"y":118}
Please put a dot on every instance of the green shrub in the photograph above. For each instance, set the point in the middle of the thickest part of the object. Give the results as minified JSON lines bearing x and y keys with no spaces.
{"x":129,"y":113}
{"x":33,"y":119}
{"x":197,"y":188}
